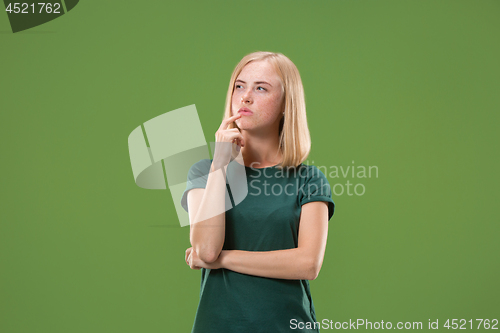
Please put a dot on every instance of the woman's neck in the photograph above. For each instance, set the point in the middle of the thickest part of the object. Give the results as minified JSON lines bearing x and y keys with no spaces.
{"x":261,"y":153}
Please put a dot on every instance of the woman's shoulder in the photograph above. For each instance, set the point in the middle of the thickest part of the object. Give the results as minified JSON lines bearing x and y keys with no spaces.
{"x":200,"y":168}
{"x":202,"y":164}
{"x":310,"y":171}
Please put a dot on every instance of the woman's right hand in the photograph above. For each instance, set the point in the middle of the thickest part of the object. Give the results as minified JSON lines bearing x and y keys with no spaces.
{"x":189,"y":258}
{"x":224,"y":138}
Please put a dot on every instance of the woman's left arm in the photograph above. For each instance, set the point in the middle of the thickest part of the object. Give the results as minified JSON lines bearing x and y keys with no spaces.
{"x":301,"y":263}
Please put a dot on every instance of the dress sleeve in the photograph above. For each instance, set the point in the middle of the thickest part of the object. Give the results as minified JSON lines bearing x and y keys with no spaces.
{"x":197,"y":178}
{"x":317,"y":188}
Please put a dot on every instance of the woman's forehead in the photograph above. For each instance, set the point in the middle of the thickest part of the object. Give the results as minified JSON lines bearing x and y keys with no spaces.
{"x":258,"y":70}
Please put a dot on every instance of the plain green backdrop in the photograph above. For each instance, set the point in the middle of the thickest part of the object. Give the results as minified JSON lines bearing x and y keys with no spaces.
{"x":411,"y":87}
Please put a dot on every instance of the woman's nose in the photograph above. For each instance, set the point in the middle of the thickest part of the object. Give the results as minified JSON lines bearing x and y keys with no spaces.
{"x":246,"y":98}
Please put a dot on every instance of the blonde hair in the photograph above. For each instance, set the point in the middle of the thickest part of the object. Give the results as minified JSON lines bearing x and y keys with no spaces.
{"x":294,"y":137}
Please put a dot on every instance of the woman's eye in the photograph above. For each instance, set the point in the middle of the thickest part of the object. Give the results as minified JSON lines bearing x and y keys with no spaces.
{"x":239,"y":86}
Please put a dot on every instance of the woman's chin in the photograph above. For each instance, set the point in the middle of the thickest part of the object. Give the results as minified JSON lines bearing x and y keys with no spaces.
{"x":243,"y":124}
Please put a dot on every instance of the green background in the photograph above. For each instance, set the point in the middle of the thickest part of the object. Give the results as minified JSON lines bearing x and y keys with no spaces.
{"x":411,"y":87}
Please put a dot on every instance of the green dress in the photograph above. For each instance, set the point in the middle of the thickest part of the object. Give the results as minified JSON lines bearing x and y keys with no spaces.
{"x":266,"y":220}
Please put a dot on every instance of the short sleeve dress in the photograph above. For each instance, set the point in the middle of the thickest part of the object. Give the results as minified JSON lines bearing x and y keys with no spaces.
{"x":266,"y":220}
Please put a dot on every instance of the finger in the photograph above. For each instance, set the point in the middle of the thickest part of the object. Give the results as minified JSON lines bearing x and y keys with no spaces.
{"x":239,"y":142}
{"x":237,"y":138}
{"x":224,"y":135}
{"x":229,"y":120}
{"x":194,"y":267}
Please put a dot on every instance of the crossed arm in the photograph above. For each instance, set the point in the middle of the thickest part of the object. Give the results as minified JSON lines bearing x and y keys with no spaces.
{"x":301,"y":263}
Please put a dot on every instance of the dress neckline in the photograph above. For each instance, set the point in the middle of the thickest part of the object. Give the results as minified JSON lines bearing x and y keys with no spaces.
{"x":253,"y":168}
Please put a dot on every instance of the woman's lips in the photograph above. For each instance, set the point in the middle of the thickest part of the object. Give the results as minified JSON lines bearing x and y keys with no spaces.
{"x":245,"y":112}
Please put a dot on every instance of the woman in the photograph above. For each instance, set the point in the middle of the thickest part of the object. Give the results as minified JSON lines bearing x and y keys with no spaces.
{"x":254,"y":259}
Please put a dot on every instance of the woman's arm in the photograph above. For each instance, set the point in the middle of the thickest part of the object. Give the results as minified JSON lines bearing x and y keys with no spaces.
{"x":207,"y":208}
{"x":207,"y":216}
{"x":301,"y":263}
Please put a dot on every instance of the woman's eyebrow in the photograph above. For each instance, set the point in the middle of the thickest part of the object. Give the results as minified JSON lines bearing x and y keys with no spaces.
{"x":256,"y":82}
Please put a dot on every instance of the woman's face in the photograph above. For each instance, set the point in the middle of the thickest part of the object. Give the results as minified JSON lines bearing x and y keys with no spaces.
{"x":258,"y":89}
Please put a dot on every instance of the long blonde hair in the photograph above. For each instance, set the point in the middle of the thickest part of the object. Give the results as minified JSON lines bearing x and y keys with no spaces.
{"x":294,"y":136}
